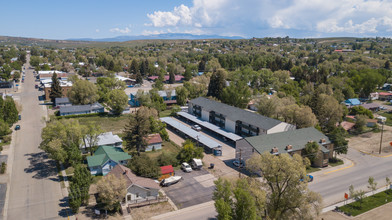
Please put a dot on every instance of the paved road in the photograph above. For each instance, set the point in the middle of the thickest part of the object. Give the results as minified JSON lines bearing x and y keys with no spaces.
{"x":35,"y":192}
{"x":332,"y":186}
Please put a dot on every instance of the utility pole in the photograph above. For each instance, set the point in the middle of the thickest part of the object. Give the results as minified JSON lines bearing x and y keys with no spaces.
{"x":239,"y":165}
{"x":382,"y":131}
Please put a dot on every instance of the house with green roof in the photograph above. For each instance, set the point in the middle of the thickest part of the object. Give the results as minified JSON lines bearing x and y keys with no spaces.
{"x":105,"y":158}
{"x":291,"y":142}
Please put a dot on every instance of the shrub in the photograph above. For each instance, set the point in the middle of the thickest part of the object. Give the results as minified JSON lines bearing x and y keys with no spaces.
{"x":165,"y":159}
{"x":142,"y":165}
{"x":3,"y":167}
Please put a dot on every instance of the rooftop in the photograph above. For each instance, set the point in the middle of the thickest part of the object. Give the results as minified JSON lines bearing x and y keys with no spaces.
{"x":167,"y":169}
{"x":234,"y":113}
{"x":104,"y":153}
{"x":296,"y":138}
{"x":122,"y":171}
{"x":154,"y":139}
{"x":79,"y":108}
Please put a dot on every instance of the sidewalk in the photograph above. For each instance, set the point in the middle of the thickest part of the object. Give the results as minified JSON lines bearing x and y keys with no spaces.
{"x":340,"y":204}
{"x":324,"y":171}
{"x":186,"y":211}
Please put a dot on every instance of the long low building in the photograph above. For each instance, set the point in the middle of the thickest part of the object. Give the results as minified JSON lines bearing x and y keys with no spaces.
{"x":189,"y":133}
{"x":81,"y":109}
{"x":235,"y":120}
{"x":291,"y":142}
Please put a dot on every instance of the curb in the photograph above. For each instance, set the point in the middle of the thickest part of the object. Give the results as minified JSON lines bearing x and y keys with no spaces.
{"x":374,"y":155}
{"x":342,"y":168}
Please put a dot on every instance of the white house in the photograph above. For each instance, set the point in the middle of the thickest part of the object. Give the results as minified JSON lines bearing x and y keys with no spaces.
{"x":138,"y":188}
{"x":104,"y":139}
{"x":236,"y":120}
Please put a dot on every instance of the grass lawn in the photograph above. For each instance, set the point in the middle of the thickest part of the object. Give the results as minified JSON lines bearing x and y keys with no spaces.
{"x":312,"y":169}
{"x":334,"y":163}
{"x":368,"y":203}
{"x":167,"y":147}
{"x":107,"y":123}
{"x":165,"y":113}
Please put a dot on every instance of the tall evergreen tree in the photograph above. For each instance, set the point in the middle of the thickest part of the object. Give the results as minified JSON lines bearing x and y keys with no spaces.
{"x":172,"y":78}
{"x":56,"y":90}
{"x":217,"y":83}
{"x":139,"y":78}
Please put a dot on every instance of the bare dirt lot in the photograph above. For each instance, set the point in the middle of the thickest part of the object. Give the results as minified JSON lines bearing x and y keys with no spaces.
{"x":147,"y":212}
{"x":370,"y":142}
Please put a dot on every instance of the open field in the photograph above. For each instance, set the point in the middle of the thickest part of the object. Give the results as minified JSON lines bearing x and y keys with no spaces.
{"x":107,"y":123}
{"x":370,"y":142}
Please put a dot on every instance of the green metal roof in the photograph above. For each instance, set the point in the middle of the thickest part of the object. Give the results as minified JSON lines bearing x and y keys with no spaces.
{"x":296,"y":138}
{"x":104,"y":153}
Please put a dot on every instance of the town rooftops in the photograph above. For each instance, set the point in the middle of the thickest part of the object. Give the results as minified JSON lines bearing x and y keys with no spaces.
{"x":154,"y":139}
{"x":121,"y":171}
{"x":286,"y":141}
{"x":385,"y":93}
{"x":163,"y":93}
{"x":353,"y":101}
{"x":80,"y":108}
{"x":60,"y":101}
{"x":235,"y":114}
{"x":105,"y":139}
{"x":167,"y":77}
{"x":167,"y":169}
{"x":104,"y":153}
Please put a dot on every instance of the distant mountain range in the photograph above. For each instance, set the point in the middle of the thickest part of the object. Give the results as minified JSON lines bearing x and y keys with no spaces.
{"x":168,"y":36}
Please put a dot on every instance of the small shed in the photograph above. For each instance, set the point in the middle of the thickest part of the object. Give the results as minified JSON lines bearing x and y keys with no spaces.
{"x":166,"y":172}
{"x":154,"y":142}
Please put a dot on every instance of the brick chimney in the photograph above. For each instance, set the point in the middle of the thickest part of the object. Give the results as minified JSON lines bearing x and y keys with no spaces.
{"x":289,"y":147}
{"x":274,"y":150}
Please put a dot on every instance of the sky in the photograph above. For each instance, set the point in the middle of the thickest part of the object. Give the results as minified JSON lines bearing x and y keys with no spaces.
{"x":64,"y":19}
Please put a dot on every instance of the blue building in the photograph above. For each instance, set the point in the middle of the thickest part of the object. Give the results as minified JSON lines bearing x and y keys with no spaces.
{"x":352,"y":102}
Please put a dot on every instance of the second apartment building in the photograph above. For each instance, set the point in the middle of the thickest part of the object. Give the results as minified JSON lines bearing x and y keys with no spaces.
{"x":236,"y":120}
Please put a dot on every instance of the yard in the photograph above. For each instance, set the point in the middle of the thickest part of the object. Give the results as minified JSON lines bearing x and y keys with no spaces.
{"x":368,"y":203}
{"x":107,"y":123}
{"x":167,"y":147}
{"x":370,"y":142}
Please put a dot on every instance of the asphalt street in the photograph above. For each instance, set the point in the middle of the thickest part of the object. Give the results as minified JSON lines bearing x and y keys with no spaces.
{"x":34,"y":191}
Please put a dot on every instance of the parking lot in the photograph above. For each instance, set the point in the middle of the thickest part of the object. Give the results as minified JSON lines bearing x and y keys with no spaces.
{"x":195,"y":188}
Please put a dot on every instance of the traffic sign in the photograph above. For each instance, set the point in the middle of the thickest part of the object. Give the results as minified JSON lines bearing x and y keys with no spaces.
{"x":346,"y":195}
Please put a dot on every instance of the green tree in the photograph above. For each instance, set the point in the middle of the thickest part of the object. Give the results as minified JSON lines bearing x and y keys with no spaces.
{"x":4,"y":128}
{"x":172,"y":78}
{"x":90,"y":133}
{"x":117,"y":101}
{"x":107,"y":84}
{"x":340,"y":144}
{"x":61,"y":141}
{"x":360,"y":123}
{"x":144,"y":166}
{"x":16,"y":76}
{"x":138,"y":128}
{"x":56,"y":91}
{"x":82,"y":179}
{"x":311,"y":150}
{"x":372,"y":184}
{"x":189,"y":151}
{"x":139,"y":79}
{"x":287,"y":197}
{"x":182,"y":95}
{"x":111,"y":191}
{"x":83,"y":92}
{"x":360,"y":110}
{"x":267,"y":106}
{"x":75,"y":200}
{"x":165,"y":159}
{"x":236,"y":94}
{"x":10,"y":111}
{"x":217,"y":83}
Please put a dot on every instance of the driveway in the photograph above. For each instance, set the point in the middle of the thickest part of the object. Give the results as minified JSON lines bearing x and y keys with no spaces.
{"x":195,"y":188}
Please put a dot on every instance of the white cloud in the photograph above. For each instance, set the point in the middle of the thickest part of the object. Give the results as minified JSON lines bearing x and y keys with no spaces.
{"x":123,"y":31}
{"x":97,"y":30}
{"x":268,"y":17}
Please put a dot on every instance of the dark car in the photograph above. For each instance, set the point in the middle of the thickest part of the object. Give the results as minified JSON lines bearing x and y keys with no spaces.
{"x":17,"y":127}
{"x":20,"y":117}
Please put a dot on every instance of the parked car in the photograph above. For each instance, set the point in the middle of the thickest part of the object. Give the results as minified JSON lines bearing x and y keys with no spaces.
{"x":36,"y":86}
{"x":238,"y":163}
{"x":309,"y":177}
{"x":186,"y":167}
{"x":20,"y":117}
{"x":196,"y":127}
{"x":17,"y":127}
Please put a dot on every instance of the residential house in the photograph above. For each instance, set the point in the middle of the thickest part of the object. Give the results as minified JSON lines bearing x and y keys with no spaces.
{"x":169,"y":97}
{"x":371,"y":122}
{"x":348,"y":126}
{"x":235,"y":120}
{"x":138,"y":188}
{"x":6,"y":84}
{"x":291,"y":142}
{"x":104,"y":139}
{"x":352,"y":102}
{"x":177,"y":78}
{"x":374,"y":107}
{"x":154,"y":142}
{"x":81,"y":109}
{"x":166,"y":172}
{"x":105,"y":159}
{"x":126,"y":80}
{"x":384,"y":96}
{"x":62,"y":102}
